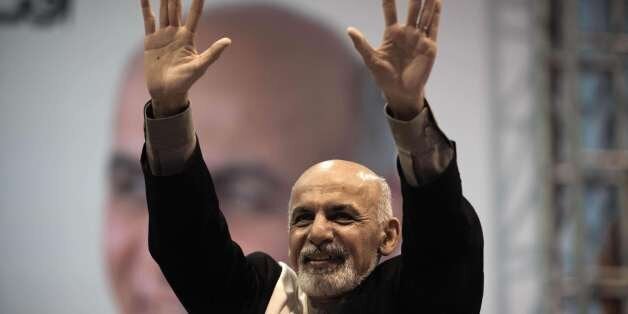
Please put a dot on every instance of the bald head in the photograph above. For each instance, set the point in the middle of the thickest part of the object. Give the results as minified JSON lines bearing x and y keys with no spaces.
{"x":353,"y":179}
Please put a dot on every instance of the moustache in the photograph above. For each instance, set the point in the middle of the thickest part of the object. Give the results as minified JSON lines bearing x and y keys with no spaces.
{"x":331,"y":251}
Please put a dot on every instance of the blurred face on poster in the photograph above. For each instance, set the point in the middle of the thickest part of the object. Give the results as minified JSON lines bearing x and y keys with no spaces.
{"x":281,"y":99}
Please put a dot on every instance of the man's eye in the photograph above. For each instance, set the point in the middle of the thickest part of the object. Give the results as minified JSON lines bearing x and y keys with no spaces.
{"x":128,"y":185}
{"x":302,"y":220}
{"x":342,"y":218}
{"x":248,"y":189}
{"x":126,"y":180}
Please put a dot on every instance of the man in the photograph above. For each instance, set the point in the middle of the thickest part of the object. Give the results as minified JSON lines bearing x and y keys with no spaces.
{"x":253,"y":162}
{"x":339,"y":213}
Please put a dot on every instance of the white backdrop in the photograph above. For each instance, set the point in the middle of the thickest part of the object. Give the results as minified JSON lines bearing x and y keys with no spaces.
{"x":57,"y":90}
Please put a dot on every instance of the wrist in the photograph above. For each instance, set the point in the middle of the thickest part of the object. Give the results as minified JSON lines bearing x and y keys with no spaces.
{"x":168,"y":106}
{"x":406,"y":109}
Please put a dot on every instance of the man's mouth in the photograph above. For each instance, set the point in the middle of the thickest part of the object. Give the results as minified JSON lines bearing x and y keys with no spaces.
{"x":321,"y":261}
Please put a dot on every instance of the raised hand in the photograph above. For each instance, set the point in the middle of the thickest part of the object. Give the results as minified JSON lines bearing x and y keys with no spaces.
{"x":403,"y":62}
{"x":171,"y":62}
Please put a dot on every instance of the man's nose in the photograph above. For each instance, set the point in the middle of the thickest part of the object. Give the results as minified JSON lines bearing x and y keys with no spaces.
{"x":321,"y":231}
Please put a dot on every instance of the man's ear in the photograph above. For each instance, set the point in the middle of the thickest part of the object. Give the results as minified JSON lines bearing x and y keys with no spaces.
{"x":391,"y":237}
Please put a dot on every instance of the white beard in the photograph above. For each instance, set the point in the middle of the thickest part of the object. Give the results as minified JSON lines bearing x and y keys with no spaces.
{"x":332,"y":281}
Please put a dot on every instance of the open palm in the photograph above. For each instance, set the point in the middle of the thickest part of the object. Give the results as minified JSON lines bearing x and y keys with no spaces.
{"x":171,"y":62}
{"x":402,"y":64}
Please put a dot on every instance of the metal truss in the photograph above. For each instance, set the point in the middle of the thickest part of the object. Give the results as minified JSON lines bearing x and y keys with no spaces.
{"x":542,"y":169}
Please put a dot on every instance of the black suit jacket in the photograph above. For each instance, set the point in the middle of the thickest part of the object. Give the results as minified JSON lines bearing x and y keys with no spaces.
{"x":439,"y":269}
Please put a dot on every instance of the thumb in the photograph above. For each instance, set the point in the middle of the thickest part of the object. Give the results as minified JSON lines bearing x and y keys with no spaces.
{"x":212,"y":53}
{"x":361,"y":44}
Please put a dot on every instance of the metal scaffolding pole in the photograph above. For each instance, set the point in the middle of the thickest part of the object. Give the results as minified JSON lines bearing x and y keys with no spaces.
{"x":548,"y":285}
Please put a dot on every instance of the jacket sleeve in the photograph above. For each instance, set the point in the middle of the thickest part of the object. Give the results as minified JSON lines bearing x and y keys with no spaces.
{"x":189,"y":239}
{"x":442,"y":258}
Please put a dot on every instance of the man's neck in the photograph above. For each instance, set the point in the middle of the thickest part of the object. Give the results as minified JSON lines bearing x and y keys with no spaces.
{"x":325,"y":305}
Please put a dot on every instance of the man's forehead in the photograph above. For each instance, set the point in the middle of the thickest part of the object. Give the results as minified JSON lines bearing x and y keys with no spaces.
{"x":337,"y":189}
{"x":329,"y":197}
{"x":336,"y":181}
{"x":348,"y":188}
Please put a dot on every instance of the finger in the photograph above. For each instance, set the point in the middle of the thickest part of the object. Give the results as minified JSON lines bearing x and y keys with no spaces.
{"x":414,"y":7}
{"x":213,"y":52}
{"x":426,"y":15}
{"x":361,"y":45}
{"x":433,"y":29}
{"x":390,"y":12}
{"x":195,"y":14}
{"x":163,"y":14}
{"x":177,"y":12}
{"x":149,"y":19}
{"x":172,"y":12}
